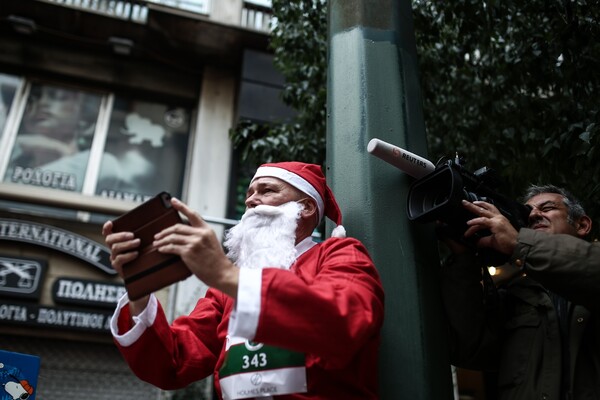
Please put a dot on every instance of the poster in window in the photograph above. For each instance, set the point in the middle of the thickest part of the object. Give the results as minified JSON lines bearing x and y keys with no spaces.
{"x":149,"y":142}
{"x":53,"y":141}
{"x":8,"y":88}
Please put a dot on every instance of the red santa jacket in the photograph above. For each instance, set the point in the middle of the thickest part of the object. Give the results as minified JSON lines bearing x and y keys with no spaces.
{"x":328,"y":306}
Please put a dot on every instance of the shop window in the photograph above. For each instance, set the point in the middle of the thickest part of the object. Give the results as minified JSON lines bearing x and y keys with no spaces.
{"x":145,"y":150}
{"x":75,"y":140}
{"x":53,"y":141}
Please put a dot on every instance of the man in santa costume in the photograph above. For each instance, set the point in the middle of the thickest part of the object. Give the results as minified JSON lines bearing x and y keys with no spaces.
{"x":284,"y":317}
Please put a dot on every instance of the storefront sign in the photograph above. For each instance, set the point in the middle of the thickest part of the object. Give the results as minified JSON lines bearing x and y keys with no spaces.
{"x":52,"y":317}
{"x":125,"y":196}
{"x":67,"y":242}
{"x":21,"y":277}
{"x":44,"y":178}
{"x":86,"y":293}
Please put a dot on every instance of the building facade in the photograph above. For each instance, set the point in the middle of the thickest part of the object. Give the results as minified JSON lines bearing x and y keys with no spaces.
{"x":104,"y":104}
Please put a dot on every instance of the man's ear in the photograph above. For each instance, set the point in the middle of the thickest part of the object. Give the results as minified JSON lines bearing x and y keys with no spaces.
{"x":583,"y":226}
{"x":309,"y":209}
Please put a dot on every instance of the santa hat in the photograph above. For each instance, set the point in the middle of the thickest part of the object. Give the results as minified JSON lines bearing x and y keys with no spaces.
{"x":309,"y":179}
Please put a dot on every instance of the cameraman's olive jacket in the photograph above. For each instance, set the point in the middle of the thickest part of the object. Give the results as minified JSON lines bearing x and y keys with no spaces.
{"x":516,"y":331}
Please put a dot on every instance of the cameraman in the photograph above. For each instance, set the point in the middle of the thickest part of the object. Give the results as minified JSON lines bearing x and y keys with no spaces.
{"x":540,"y":332}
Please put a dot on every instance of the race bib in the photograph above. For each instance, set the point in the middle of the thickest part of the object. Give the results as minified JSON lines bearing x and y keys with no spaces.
{"x":258,"y":370}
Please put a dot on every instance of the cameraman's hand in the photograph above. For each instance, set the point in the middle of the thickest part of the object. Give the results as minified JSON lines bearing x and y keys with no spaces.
{"x":503,"y":236}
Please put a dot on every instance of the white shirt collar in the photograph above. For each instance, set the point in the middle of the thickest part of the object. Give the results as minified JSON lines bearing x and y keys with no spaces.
{"x":304,"y":246}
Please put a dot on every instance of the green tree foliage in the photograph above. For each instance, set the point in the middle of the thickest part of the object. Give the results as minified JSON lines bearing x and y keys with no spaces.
{"x":514,"y":86}
{"x":511,"y":85}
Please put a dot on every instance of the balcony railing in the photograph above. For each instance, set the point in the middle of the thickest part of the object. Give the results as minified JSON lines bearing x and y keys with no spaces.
{"x":133,"y":10}
{"x":256,"y":16}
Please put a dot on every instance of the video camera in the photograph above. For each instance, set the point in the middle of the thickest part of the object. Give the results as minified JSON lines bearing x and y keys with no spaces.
{"x":437,"y":193}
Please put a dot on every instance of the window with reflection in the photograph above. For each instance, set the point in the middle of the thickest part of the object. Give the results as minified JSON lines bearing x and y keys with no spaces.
{"x":54,"y":138}
{"x":145,"y":149}
{"x":76,"y":140}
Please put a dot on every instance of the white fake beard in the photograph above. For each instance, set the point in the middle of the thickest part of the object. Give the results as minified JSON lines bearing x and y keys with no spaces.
{"x":265,"y":237}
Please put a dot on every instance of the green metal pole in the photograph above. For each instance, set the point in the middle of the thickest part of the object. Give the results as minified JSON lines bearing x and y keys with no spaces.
{"x":373,"y":92}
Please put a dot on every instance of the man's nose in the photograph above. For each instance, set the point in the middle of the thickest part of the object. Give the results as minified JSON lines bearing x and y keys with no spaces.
{"x":252,"y":201}
{"x":535,"y":214}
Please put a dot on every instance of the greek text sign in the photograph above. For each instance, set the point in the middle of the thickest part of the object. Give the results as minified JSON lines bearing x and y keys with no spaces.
{"x":86,"y":293}
{"x":52,"y":317}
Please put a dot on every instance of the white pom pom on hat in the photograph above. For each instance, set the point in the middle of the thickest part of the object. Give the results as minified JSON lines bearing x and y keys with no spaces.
{"x":308,"y":178}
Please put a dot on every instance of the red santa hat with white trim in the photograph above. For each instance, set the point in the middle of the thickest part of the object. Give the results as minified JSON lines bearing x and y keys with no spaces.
{"x":309,"y":179}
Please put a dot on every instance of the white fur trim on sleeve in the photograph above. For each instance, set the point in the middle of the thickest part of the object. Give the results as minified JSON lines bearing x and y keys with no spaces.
{"x":243,"y":321}
{"x":141,"y":322}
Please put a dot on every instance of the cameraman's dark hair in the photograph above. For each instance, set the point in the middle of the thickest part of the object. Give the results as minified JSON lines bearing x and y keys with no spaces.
{"x":574,"y":208}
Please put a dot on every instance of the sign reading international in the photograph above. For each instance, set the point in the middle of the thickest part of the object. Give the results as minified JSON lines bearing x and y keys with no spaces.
{"x":67,"y":242}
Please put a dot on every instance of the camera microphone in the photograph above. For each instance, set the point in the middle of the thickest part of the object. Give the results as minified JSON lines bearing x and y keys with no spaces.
{"x":410,"y":163}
